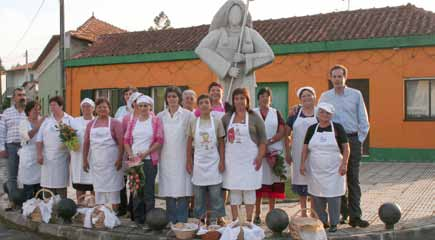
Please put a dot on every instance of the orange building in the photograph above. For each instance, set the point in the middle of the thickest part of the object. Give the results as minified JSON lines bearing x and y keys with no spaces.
{"x":390,"y":53}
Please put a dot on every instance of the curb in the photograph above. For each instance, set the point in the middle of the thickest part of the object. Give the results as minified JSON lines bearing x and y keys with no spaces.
{"x":419,"y":229}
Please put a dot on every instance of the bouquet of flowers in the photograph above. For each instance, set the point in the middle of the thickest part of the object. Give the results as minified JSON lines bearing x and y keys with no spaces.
{"x":136,"y":176}
{"x":68,"y":136}
{"x":277,"y":162}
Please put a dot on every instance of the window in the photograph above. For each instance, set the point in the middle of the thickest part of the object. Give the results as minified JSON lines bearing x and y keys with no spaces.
{"x":420,"y":99}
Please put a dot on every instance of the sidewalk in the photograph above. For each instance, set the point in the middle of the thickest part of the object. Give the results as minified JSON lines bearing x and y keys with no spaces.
{"x":411,"y":185}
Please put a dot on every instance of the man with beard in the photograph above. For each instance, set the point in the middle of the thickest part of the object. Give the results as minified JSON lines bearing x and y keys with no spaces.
{"x":12,"y":118}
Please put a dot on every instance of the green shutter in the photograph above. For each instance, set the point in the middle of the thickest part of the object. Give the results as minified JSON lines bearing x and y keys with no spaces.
{"x":87,"y":93}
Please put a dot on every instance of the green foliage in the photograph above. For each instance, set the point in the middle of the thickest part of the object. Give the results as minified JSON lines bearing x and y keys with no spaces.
{"x":161,"y":22}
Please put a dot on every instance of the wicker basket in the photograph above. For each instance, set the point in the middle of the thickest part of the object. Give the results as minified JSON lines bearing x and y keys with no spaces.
{"x":36,"y":214}
{"x":88,"y":201}
{"x":300,"y":224}
{"x":184,"y":234}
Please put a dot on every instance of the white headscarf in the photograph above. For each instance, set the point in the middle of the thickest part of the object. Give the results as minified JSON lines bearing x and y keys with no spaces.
{"x":88,"y":101}
{"x":133,"y":97}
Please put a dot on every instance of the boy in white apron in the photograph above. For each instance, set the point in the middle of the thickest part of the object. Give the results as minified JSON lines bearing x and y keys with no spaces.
{"x":207,"y":134}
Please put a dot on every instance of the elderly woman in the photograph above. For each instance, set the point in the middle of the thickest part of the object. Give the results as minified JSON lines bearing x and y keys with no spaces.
{"x":189,"y":100}
{"x":29,"y":171}
{"x":297,"y":126}
{"x":245,"y":149}
{"x":326,"y":153}
{"x":272,"y":186}
{"x":81,"y":180}
{"x":174,"y":180}
{"x":143,"y":139}
{"x":219,"y":48}
{"x":103,"y":144}
{"x":52,"y":153}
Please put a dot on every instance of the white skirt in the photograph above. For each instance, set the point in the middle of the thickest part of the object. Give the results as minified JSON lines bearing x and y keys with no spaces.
{"x":107,"y":197}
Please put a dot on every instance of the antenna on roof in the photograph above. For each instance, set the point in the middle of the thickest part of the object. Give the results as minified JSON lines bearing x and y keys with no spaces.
{"x":92,"y":13}
{"x":348,"y":4}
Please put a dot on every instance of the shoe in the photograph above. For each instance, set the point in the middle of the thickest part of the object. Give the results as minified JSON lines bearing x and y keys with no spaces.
{"x":343,"y":221}
{"x":332,"y":228}
{"x":257,"y":220}
{"x":359,"y":223}
{"x":325,"y":225}
{"x":121,"y":213}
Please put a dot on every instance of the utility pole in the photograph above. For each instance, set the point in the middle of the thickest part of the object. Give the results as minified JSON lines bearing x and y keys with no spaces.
{"x":26,"y":74}
{"x":62,"y":47}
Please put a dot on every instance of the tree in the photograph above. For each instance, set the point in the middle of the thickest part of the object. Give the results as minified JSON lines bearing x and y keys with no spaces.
{"x":161,"y":22}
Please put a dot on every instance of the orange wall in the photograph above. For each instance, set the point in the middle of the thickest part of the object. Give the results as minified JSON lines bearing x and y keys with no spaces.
{"x":385,"y":69}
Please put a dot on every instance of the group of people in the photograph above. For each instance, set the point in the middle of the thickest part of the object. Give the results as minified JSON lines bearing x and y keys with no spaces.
{"x":201,"y":149}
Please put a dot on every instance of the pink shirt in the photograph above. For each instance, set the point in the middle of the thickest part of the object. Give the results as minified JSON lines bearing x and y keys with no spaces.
{"x":157,"y":135}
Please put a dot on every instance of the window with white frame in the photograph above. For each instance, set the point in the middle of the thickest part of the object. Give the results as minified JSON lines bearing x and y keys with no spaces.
{"x":420,"y":99}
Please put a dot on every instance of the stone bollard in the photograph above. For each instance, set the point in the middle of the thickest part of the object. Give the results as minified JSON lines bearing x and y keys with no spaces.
{"x":390,"y":214}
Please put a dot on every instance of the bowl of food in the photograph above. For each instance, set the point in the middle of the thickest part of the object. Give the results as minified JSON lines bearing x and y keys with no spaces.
{"x":184,"y":231}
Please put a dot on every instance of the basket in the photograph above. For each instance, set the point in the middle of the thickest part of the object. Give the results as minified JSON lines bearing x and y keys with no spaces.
{"x":300,"y":224}
{"x":97,"y":213}
{"x":36,"y":214}
{"x":210,"y":234}
{"x":184,"y":234}
{"x":88,"y":201}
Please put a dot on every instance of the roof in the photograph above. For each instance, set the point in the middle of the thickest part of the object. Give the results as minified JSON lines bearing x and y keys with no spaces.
{"x":88,"y":31}
{"x":21,"y":67}
{"x":407,"y":20}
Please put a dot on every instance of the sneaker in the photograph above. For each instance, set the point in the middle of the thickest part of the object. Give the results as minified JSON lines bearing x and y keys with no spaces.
{"x":343,"y":220}
{"x":359,"y":223}
{"x":332,"y":228}
{"x":257,"y":220}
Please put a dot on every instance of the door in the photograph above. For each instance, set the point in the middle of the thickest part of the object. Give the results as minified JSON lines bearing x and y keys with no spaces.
{"x":363,"y":86}
{"x":279,"y":96}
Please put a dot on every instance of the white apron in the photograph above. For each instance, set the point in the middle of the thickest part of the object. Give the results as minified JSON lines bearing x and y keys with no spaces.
{"x":78,"y":175}
{"x":142,"y":136}
{"x":104,"y":154}
{"x":217,"y":114}
{"x":271,"y":125}
{"x":174,"y":180}
{"x":206,"y":156}
{"x":240,"y":173}
{"x":29,"y":170}
{"x":55,"y":170}
{"x":300,"y":127}
{"x":324,"y":162}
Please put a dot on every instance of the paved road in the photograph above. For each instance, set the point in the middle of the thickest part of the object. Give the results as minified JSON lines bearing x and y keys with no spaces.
{"x":7,"y":233}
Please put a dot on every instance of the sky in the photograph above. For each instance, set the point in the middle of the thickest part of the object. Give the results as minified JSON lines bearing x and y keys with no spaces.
{"x":137,"y":15}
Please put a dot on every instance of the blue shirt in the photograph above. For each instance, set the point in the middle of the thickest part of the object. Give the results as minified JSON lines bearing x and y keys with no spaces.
{"x":350,"y":111}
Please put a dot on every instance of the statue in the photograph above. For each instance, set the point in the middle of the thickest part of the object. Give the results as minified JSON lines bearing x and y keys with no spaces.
{"x":234,"y":61}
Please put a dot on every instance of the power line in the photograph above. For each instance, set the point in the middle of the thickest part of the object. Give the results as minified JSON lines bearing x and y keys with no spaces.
{"x":27,"y":30}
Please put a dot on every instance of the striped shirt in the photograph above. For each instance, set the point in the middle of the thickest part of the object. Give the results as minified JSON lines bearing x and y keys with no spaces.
{"x":12,"y":119}
{"x":2,"y":134}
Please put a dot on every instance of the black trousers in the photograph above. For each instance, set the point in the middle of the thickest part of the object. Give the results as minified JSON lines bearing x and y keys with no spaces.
{"x":351,"y":201}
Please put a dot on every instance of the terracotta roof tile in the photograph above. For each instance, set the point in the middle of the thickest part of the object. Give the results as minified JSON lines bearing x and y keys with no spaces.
{"x":21,"y":67}
{"x":407,"y":20}
{"x":88,"y":31}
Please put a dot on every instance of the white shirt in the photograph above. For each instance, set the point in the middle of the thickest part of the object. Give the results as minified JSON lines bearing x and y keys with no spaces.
{"x":142,"y":136}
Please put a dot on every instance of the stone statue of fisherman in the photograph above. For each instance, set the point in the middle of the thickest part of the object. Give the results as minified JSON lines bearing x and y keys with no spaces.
{"x":219,"y":49}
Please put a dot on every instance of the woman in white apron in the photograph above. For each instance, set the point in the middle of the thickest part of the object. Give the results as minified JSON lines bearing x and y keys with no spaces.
{"x":326,"y":151}
{"x":245,"y":149}
{"x":143,"y":139}
{"x":81,"y":180}
{"x":29,"y":171}
{"x":174,"y":181}
{"x":297,"y":128}
{"x":104,"y":144}
{"x":272,"y":186}
{"x":52,"y":153}
{"x":206,"y":166}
